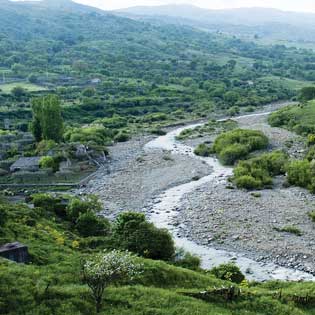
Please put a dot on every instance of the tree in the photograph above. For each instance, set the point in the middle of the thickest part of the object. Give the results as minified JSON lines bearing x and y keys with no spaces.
{"x":89,"y":224}
{"x":108,"y":268}
{"x":307,"y":94}
{"x":79,"y":206}
{"x":47,"y":120}
{"x":18,"y":92}
{"x":132,"y":232}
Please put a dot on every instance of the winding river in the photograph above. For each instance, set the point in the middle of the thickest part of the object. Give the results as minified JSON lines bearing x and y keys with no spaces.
{"x":166,"y":210}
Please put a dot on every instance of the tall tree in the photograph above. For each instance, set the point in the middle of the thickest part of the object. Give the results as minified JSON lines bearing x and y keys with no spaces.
{"x":47,"y":119}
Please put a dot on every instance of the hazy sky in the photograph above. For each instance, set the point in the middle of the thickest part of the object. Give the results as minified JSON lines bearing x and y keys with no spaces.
{"x":292,"y":5}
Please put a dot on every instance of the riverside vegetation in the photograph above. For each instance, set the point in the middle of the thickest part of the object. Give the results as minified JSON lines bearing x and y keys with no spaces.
{"x":54,"y":282}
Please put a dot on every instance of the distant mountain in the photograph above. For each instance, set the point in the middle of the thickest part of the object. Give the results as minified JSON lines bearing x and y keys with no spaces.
{"x":264,"y":22}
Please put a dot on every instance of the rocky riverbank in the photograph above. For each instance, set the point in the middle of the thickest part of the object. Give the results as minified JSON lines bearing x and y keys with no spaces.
{"x":134,"y":176}
{"x":249,"y":222}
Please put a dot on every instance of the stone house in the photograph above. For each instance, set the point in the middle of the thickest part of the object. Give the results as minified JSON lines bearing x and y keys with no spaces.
{"x":26,"y":164}
{"x":15,"y":251}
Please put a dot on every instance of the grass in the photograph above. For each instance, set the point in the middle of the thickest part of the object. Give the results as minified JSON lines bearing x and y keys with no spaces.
{"x":287,"y":83}
{"x":312,"y":215}
{"x":298,"y":118}
{"x":290,"y":229}
{"x":161,"y":289}
{"x":7,"y":88}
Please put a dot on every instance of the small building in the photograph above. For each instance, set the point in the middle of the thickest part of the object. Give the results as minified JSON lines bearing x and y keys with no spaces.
{"x":96,"y":81}
{"x":26,"y":164}
{"x":15,"y":251}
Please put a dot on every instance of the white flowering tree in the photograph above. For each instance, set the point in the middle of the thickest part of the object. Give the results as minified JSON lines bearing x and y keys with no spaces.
{"x":108,"y":268}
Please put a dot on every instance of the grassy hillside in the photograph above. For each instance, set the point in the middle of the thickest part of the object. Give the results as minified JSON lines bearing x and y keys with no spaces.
{"x":298,"y":118}
{"x":51,"y":283}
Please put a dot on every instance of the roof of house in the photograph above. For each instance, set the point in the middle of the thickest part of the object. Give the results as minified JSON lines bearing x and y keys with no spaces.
{"x":11,"y":246}
{"x":26,"y":162}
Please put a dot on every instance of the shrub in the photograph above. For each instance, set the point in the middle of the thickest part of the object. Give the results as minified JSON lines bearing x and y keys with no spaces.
{"x":299,"y":173}
{"x":132,"y":232}
{"x":89,"y":224}
{"x":3,"y":215}
{"x":49,"y":162}
{"x":203,"y":150}
{"x":229,"y":272}
{"x":187,"y":260}
{"x":236,"y":144}
{"x":158,"y":132}
{"x":312,"y":215}
{"x":122,"y":136}
{"x":79,"y":206}
{"x":248,"y":182}
{"x":290,"y":229}
{"x":44,"y":201}
{"x":232,"y":153}
{"x":257,"y":172}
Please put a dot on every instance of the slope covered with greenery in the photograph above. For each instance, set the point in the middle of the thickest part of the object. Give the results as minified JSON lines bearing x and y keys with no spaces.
{"x":52,"y":282}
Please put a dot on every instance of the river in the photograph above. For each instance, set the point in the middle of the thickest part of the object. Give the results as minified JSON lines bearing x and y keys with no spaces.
{"x":166,"y":210}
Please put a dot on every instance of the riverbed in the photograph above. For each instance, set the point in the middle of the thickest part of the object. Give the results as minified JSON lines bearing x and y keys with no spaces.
{"x":166,"y":211}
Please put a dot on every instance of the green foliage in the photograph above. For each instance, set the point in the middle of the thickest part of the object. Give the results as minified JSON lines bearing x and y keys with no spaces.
{"x":228,"y":272}
{"x":122,"y":136}
{"x":79,"y":206}
{"x":307,"y":94}
{"x":187,"y":260}
{"x":203,"y":150}
{"x":18,"y":92}
{"x":301,"y":173}
{"x":311,"y":215}
{"x":237,"y":144}
{"x":49,"y":162}
{"x":298,"y":118}
{"x":95,"y":134}
{"x":3,"y":215}
{"x":105,"y":269}
{"x":47,"y":120}
{"x":257,"y":172}
{"x":132,"y":232}
{"x":290,"y":229}
{"x":89,"y":224}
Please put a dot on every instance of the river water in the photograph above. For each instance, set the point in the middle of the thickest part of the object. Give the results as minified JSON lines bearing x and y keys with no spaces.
{"x":165,"y":211}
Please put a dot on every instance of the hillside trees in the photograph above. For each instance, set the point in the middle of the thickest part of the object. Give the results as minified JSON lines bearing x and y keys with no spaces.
{"x":105,"y":269}
{"x":47,"y":120}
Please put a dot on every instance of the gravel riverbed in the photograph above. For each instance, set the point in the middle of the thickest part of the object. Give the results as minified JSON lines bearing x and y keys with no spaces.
{"x":212,"y":214}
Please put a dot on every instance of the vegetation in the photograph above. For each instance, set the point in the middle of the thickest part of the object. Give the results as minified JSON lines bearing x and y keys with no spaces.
{"x":228,"y":272}
{"x":237,"y":144}
{"x":106,"y":269}
{"x":203,"y":150}
{"x":298,"y":118}
{"x":257,"y":173}
{"x":290,"y":229}
{"x":54,"y":281}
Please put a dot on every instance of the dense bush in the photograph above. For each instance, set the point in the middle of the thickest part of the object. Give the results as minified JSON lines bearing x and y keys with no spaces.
{"x":203,"y":150}
{"x":187,"y":260}
{"x":131,"y":231}
{"x":89,"y":224}
{"x":302,"y":174}
{"x":229,"y":272}
{"x":79,"y":206}
{"x":49,"y":162}
{"x":257,"y":172}
{"x":298,"y":118}
{"x":237,"y":144}
{"x":3,"y":215}
{"x":122,"y":136}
